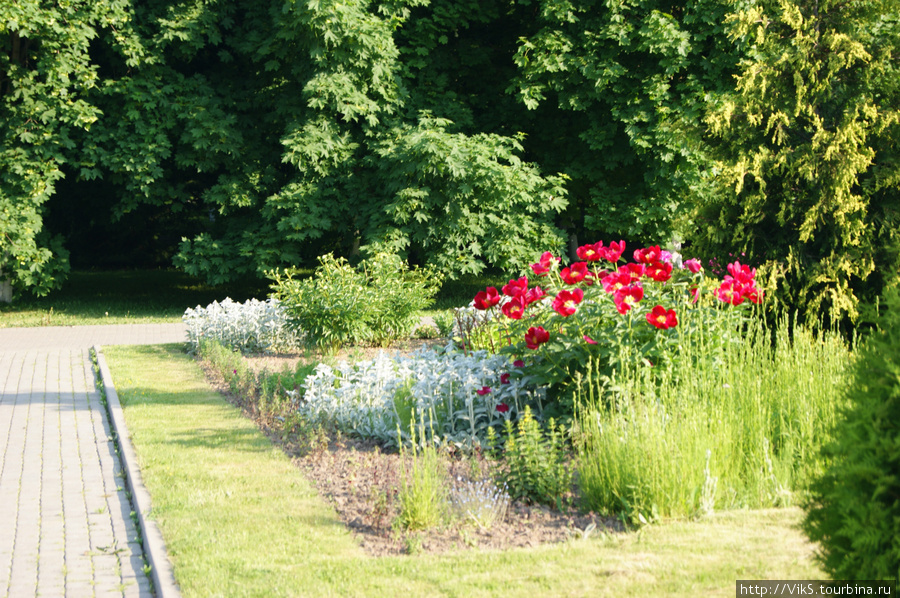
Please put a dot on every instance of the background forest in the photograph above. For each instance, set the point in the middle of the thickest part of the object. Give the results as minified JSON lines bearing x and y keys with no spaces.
{"x":230,"y":137}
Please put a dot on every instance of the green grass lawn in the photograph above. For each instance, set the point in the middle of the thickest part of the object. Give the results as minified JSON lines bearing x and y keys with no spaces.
{"x":240,"y":520}
{"x":121,"y":297}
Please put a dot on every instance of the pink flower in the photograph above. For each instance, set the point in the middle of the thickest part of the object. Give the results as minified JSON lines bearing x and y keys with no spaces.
{"x":535,"y":337}
{"x":487,"y":299}
{"x":695,"y":293}
{"x":614,"y":251}
{"x":514,"y":288}
{"x":755,"y":295}
{"x":589,"y":340}
{"x":484,"y":390}
{"x":514,"y":308}
{"x":648,"y":255}
{"x":591,"y":253}
{"x":575,"y":273}
{"x":626,"y":297}
{"x":502,"y":407}
{"x":504,"y":378}
{"x":659,"y":271}
{"x":693,"y":265}
{"x":615,"y":281}
{"x":566,"y":302}
{"x":543,"y":265}
{"x":661,"y":318}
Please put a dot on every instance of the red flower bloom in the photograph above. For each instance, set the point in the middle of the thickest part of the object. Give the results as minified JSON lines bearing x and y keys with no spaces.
{"x":514,"y":308}
{"x":484,"y":390}
{"x":742,"y":273}
{"x":535,"y":337}
{"x":659,"y":271}
{"x":731,"y":292}
{"x":635,"y":271}
{"x":614,"y":251}
{"x":519,"y":363}
{"x":487,"y":299}
{"x":543,"y":265}
{"x":626,"y":297}
{"x":514,"y":288}
{"x":693,"y":265}
{"x":615,"y":281}
{"x":566,"y":302}
{"x":535,"y":294}
{"x":575,"y":273}
{"x":589,"y":340}
{"x":591,"y":253}
{"x":755,"y":295}
{"x":502,"y":407}
{"x":661,"y":318}
{"x":504,"y":378}
{"x":695,"y":293}
{"x":648,"y":255}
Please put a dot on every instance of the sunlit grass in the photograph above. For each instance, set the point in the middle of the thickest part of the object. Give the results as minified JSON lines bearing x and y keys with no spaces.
{"x":240,"y":520}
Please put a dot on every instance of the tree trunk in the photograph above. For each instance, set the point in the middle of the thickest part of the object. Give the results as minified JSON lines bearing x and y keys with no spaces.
{"x":5,"y":291}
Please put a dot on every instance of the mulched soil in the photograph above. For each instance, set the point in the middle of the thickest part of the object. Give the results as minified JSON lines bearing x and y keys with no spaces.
{"x":361,"y":480}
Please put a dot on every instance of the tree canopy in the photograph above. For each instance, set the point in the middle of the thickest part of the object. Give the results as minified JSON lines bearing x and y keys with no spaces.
{"x":460,"y":133}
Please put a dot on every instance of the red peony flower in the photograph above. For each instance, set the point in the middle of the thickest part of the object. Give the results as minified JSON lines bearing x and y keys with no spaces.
{"x":534,"y":338}
{"x":519,"y":363}
{"x":504,"y":378}
{"x":626,"y":297}
{"x":742,"y":273}
{"x":484,"y":390}
{"x":661,"y":318}
{"x":514,"y":288}
{"x":755,"y":295}
{"x":535,"y":294}
{"x":693,"y":265}
{"x":543,"y":265}
{"x":615,"y":281}
{"x":659,"y":271}
{"x":731,"y":292}
{"x":591,"y":253}
{"x":487,"y":299}
{"x":502,"y":407}
{"x":635,"y":271}
{"x":614,"y":251}
{"x":514,"y":308}
{"x":566,"y":302}
{"x":575,"y":273}
{"x":648,"y":255}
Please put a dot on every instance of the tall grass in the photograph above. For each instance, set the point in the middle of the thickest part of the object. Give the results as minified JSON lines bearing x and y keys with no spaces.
{"x":734,"y":424}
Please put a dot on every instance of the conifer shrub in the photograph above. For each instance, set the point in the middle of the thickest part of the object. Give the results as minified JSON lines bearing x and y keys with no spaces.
{"x":854,"y":508}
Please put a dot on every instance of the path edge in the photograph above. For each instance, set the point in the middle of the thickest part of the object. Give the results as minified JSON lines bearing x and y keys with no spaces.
{"x":154,"y":546}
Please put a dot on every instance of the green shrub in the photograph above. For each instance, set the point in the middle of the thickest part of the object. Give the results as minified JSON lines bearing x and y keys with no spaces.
{"x":377,"y":302}
{"x":536,"y":464}
{"x":854,"y":508}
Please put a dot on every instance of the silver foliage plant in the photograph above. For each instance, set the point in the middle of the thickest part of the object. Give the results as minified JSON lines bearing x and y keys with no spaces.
{"x":459,"y":395}
{"x":250,"y":326}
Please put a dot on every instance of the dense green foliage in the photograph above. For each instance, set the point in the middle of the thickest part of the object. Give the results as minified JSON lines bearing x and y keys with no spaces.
{"x":808,"y":166}
{"x":854,"y":509}
{"x":459,"y":134}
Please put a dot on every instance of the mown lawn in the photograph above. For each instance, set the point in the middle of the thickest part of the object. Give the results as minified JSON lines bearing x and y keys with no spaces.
{"x":240,"y":520}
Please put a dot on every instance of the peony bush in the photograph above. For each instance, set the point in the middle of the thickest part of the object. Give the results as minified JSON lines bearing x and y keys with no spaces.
{"x":594,"y":315}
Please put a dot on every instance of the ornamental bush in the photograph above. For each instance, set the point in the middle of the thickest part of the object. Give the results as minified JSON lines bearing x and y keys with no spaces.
{"x":377,"y":302}
{"x":854,"y":508}
{"x":250,"y":326}
{"x":598,"y":311}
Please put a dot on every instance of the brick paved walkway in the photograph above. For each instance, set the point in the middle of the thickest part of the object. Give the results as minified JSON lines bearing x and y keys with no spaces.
{"x":65,"y":524}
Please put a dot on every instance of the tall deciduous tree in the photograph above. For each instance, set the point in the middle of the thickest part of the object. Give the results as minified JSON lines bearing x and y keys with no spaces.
{"x":808,"y":170}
